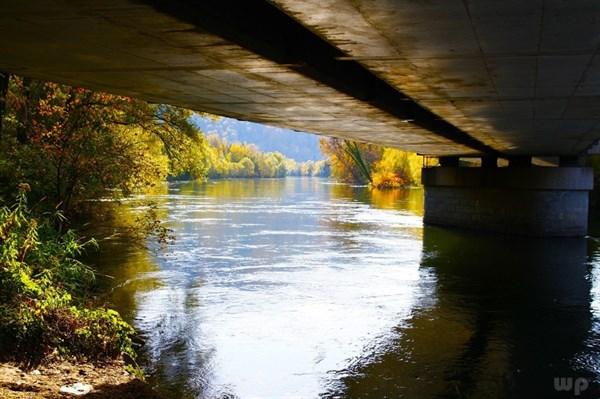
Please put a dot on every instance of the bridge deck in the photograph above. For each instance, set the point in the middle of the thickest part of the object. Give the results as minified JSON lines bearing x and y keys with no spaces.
{"x":440,"y":77}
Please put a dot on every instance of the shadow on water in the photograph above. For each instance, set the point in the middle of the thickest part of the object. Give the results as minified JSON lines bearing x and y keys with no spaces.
{"x":509,"y":315}
{"x":291,"y":287}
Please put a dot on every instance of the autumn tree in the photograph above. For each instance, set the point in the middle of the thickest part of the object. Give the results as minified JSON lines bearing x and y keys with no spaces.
{"x":71,"y":143}
{"x":381,"y":167}
{"x":350,"y":161}
{"x":247,"y":161}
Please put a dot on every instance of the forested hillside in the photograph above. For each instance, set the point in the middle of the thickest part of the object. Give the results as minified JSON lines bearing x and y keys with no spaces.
{"x":295,"y":145}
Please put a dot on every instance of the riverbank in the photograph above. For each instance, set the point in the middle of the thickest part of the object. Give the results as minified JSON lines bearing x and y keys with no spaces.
{"x":108,"y":381}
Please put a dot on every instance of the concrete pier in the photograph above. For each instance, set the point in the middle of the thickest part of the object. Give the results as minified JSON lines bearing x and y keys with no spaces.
{"x":533,"y":201}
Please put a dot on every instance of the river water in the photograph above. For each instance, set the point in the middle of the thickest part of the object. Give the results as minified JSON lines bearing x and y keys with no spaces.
{"x":302,"y":288}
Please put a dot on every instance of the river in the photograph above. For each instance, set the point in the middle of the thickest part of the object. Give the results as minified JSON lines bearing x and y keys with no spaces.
{"x":303,"y":288}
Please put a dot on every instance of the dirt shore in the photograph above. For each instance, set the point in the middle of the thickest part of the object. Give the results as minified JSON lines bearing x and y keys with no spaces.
{"x":108,"y":381}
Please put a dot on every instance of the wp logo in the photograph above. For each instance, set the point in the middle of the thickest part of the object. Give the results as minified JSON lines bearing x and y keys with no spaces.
{"x":577,"y":385}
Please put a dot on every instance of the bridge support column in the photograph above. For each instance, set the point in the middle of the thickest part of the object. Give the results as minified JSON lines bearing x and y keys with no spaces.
{"x":534,"y":201}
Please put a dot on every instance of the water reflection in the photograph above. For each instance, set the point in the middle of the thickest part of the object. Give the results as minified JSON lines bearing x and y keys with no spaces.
{"x":264,"y":291}
{"x":299,"y":288}
{"x":509,"y":316}
{"x":407,"y":200}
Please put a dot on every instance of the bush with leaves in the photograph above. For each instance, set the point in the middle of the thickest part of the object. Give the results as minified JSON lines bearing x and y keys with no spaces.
{"x":73,"y":144}
{"x":380,"y":167}
{"x":42,"y":294}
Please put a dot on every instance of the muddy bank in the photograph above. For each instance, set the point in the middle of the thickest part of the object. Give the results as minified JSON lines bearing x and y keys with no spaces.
{"x":108,"y":381}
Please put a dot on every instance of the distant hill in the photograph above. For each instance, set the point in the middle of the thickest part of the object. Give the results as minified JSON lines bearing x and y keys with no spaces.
{"x":299,"y":146}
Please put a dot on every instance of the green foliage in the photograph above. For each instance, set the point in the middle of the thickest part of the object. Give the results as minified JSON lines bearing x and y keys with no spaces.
{"x":72,"y":144}
{"x":149,"y":224}
{"x":42,"y":293}
{"x":246,"y":160}
{"x":293,"y":144}
{"x":354,"y":152}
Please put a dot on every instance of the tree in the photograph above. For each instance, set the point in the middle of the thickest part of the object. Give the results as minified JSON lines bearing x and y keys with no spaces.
{"x":4,"y":79}
{"x":246,"y":167}
{"x":237,"y":159}
{"x":350,"y":161}
{"x":71,"y":144}
{"x":321,"y":168}
{"x":381,"y":167}
{"x":397,"y":168}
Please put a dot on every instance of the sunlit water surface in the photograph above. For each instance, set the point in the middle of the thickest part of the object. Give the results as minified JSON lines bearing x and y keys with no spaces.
{"x":301,"y":288}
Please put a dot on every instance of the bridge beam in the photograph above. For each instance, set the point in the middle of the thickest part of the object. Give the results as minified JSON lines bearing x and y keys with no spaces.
{"x":532,"y":201}
{"x":489,"y":162}
{"x":521,"y":161}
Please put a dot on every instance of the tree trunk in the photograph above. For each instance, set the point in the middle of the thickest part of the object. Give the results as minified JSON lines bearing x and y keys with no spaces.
{"x":4,"y":78}
{"x":24,"y":114}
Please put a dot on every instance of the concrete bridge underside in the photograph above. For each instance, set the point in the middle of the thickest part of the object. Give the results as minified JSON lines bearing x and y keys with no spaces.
{"x":443,"y":77}
{"x":448,"y":78}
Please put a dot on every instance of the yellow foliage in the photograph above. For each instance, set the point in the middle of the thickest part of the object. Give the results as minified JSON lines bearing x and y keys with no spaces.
{"x":397,"y":168}
{"x":387,"y":179}
{"x":382,"y":167}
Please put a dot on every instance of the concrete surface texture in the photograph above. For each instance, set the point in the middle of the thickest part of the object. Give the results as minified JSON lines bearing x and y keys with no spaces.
{"x":439,"y":77}
{"x":540,"y":201}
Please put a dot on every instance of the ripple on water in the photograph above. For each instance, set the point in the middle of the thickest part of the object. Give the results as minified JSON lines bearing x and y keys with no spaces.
{"x":265,"y":297}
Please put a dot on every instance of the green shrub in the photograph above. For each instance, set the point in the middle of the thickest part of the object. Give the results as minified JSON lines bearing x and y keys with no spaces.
{"x":43,"y":292}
